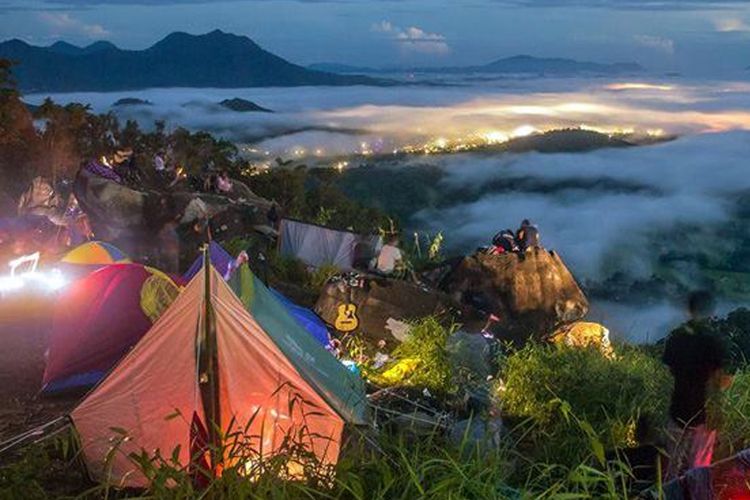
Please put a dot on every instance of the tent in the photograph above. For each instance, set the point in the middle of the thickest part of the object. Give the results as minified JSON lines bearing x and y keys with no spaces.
{"x":99,"y":318}
{"x":212,"y":363}
{"x":318,"y":245}
{"x":95,"y":253}
{"x":220,"y":259}
{"x":306,"y":318}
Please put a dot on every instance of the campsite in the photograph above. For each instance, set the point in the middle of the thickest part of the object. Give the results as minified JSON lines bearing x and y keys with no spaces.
{"x":227,"y":275}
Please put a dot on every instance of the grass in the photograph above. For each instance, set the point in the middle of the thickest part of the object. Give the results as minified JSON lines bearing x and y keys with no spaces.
{"x":563,"y":410}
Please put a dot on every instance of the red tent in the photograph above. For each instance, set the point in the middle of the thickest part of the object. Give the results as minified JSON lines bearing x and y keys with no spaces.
{"x":99,"y":319}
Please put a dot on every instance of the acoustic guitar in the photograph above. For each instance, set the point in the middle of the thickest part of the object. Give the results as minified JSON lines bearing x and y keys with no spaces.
{"x":346,"y":318}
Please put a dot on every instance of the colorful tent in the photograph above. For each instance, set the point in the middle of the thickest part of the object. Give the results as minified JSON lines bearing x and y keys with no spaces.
{"x":95,"y":254}
{"x":220,"y":259}
{"x":306,"y":318}
{"x":211,"y":363}
{"x":99,"y":318}
{"x":318,"y":245}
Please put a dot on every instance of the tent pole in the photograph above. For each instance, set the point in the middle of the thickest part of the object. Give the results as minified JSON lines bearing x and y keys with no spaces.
{"x":210,"y":359}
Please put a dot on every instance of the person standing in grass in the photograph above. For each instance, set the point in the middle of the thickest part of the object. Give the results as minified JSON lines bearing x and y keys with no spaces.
{"x":697,"y":358}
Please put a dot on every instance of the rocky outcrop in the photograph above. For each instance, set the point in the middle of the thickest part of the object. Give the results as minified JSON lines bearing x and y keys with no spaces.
{"x":532,"y":293}
{"x":382,"y":305}
{"x":131,"y":218}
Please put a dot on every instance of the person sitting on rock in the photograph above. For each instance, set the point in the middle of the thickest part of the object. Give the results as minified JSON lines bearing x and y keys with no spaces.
{"x":223,"y":183}
{"x":390,"y":257}
{"x":503,"y":242}
{"x":527,"y":236}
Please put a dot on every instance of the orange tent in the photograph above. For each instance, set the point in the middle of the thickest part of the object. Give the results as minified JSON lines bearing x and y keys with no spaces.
{"x":208,"y":360}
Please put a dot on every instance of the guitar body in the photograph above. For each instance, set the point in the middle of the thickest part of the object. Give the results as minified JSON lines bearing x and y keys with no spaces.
{"x":346,"y":318}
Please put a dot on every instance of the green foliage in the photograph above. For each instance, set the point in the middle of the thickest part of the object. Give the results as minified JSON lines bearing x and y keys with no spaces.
{"x":426,"y":342}
{"x":289,"y":270}
{"x":610,"y":395}
{"x":312,"y":196}
{"x":733,"y":417}
{"x":320,"y":276}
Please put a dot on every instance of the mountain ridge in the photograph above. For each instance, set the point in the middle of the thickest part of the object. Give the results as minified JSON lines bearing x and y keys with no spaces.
{"x":215,"y":59}
{"x":521,"y":63}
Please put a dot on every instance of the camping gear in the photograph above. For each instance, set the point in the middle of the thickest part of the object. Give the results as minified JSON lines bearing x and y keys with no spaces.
{"x":306,"y":318}
{"x":319,"y":245}
{"x":89,"y":257}
{"x":220,"y":259}
{"x":211,"y":363}
{"x":583,"y":334}
{"x":99,"y":318}
{"x":97,"y":253}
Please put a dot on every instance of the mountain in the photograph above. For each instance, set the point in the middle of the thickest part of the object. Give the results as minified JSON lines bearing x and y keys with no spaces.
{"x":243,"y":106}
{"x":131,"y":101}
{"x":216,"y":59}
{"x":521,"y":64}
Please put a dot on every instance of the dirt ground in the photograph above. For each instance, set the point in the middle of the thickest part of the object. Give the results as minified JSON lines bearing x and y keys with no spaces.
{"x":24,"y":325}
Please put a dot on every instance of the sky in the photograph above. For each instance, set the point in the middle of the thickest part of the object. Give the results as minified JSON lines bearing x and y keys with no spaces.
{"x":692,"y":37}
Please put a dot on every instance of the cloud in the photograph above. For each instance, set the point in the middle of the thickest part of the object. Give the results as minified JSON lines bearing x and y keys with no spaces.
{"x":65,"y":24}
{"x":661,"y":44}
{"x":731,"y":25}
{"x":413,"y":38}
{"x":673,"y":5}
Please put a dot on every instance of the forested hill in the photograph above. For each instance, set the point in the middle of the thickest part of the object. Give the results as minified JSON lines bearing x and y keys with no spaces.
{"x":216,"y":59}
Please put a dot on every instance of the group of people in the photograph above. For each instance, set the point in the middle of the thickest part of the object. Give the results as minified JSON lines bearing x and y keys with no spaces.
{"x":507,"y":241}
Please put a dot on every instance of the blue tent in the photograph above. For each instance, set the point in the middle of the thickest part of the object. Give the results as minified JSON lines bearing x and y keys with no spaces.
{"x":220,"y":259}
{"x":305,"y":318}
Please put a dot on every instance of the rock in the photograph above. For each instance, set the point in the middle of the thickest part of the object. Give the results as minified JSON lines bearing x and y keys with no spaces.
{"x":131,"y":218}
{"x":41,"y":199}
{"x":583,"y":334}
{"x":377,"y":301}
{"x":532,"y":293}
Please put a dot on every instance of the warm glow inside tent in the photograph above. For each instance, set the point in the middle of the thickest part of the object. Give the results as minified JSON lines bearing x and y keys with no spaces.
{"x":215,"y":358}
{"x":99,"y":318}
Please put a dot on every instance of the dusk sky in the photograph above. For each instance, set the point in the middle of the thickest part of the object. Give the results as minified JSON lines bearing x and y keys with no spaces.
{"x":693,"y":37}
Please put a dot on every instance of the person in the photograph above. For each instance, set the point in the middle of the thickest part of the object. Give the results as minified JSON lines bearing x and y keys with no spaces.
{"x":273,"y":215}
{"x":390,"y":256}
{"x":159,"y":164}
{"x":527,"y":235}
{"x":223,"y":183}
{"x":696,"y":357}
{"x":503,"y":242}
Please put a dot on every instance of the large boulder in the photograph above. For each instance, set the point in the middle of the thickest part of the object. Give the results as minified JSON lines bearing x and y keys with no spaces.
{"x":131,"y":217}
{"x":382,"y":305}
{"x":532,"y":293}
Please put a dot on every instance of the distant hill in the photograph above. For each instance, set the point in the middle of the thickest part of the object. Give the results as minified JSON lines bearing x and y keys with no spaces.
{"x":344,"y":68}
{"x":132,"y":101}
{"x":216,"y":59}
{"x":521,"y":64}
{"x":243,"y":106}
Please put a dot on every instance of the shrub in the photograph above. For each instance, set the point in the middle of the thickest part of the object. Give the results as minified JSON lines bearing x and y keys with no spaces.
{"x":733,"y":419}
{"x":608,"y":395}
{"x":426,"y":344}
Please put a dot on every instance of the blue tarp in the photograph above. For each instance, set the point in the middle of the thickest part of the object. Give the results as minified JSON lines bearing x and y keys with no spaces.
{"x":220,"y":259}
{"x":306,"y":318}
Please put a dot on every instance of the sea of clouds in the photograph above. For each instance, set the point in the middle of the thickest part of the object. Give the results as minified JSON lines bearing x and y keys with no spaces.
{"x":688,"y":180}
